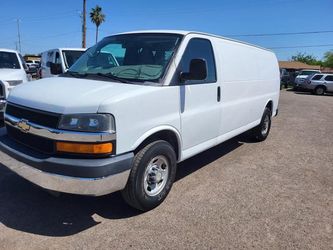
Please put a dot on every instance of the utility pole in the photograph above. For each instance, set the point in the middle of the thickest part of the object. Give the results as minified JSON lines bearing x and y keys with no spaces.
{"x":84,"y":28}
{"x":18,"y":34}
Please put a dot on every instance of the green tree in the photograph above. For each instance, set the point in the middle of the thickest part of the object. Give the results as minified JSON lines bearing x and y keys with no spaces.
{"x":328,"y":59}
{"x":97,"y":17}
{"x":305,"y":58}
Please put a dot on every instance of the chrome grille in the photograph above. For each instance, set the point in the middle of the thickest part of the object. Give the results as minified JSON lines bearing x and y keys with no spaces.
{"x":43,"y":118}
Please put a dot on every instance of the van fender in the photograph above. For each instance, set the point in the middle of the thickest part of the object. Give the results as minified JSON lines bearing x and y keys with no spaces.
{"x":270,"y":100}
{"x":155,"y":130}
{"x":5,"y":86}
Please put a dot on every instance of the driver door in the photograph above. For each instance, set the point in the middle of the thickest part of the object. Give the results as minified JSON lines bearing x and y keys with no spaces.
{"x":199,"y":99}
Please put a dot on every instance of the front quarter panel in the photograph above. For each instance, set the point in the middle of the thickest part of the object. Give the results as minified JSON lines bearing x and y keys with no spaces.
{"x":142,"y":112}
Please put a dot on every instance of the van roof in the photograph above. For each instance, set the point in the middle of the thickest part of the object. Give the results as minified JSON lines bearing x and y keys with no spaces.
{"x":75,"y":49}
{"x":78,"y":49}
{"x":8,"y":50}
{"x":185,"y":32}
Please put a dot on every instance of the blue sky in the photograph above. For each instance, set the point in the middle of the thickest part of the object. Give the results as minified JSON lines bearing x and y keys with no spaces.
{"x":47,"y":24}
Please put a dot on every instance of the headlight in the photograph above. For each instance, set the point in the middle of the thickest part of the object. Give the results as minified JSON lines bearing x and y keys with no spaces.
{"x":14,"y":83}
{"x":88,"y":122}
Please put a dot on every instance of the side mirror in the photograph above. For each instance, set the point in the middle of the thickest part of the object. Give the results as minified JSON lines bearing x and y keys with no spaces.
{"x":198,"y":71}
{"x":55,"y":68}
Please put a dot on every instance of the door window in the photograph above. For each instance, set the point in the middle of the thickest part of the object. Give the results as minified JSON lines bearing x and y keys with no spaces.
{"x":329,"y":78}
{"x":317,"y":77}
{"x":8,"y":60}
{"x":199,"y":48}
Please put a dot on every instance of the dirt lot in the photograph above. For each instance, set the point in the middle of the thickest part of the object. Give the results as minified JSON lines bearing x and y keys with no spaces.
{"x":274,"y":195}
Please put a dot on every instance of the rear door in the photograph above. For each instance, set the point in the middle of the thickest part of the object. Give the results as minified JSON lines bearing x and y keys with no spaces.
{"x":329,"y":82}
{"x":200,"y":107}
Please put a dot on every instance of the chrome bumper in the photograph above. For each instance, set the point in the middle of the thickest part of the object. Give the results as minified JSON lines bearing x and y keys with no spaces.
{"x":26,"y":166}
{"x":65,"y":184}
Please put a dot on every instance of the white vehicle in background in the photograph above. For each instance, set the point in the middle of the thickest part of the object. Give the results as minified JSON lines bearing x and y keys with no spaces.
{"x":302,"y":76}
{"x":12,"y":72}
{"x":33,"y":66}
{"x":132,"y":107}
{"x":61,"y":59}
{"x":32,"y":63}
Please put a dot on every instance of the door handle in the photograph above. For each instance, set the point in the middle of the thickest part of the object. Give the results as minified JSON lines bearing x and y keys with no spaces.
{"x":219,"y":94}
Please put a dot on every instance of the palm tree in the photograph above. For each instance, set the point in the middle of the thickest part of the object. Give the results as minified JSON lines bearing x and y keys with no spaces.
{"x":97,"y":17}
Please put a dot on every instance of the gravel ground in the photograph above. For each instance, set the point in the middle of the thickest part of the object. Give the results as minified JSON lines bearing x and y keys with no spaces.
{"x":273,"y":195}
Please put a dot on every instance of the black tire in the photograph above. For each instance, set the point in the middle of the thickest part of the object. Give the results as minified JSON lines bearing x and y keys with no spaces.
{"x":135,"y":193}
{"x":261,"y":132}
{"x":320,"y":90}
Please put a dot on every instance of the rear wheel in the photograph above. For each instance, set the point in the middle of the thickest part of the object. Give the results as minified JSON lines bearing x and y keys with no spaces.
{"x":260,"y":133}
{"x":320,"y":90}
{"x":152,"y":175}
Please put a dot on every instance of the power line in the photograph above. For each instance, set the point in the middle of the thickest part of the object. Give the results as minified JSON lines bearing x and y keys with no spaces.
{"x":303,"y":46}
{"x":283,"y":34}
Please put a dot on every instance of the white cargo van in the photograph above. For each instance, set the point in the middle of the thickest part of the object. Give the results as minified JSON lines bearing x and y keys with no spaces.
{"x":135,"y":105}
{"x":61,"y":59}
{"x":12,"y":72}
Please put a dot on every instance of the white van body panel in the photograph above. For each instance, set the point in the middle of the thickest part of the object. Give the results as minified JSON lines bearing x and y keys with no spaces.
{"x":50,"y":56}
{"x":69,"y":95}
{"x":247,"y":76}
{"x":10,"y":78}
{"x":148,"y":114}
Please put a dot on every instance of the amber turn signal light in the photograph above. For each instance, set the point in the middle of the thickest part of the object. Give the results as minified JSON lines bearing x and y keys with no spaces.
{"x":84,"y":148}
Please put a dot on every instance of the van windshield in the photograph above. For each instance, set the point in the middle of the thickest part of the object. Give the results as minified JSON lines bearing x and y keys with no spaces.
{"x":132,"y":57}
{"x":9,"y":60}
{"x":71,"y":57}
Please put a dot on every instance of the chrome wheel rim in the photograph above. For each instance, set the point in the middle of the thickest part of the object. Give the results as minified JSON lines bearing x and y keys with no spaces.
{"x":265,"y":125}
{"x":156,"y":175}
{"x":320,"y":91}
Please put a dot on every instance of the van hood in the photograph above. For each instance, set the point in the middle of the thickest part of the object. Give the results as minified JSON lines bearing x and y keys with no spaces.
{"x":68,"y":95}
{"x":12,"y":74}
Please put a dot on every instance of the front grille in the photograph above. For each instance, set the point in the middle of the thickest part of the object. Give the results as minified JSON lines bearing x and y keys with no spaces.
{"x":35,"y":142}
{"x":39,"y":117}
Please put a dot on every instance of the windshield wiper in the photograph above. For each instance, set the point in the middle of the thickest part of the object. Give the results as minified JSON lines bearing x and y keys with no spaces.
{"x":113,"y":77}
{"x":108,"y":75}
{"x":76,"y":74}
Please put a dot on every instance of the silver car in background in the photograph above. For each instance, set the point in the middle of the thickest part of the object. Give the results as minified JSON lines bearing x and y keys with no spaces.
{"x":302,"y":76}
{"x":319,"y":83}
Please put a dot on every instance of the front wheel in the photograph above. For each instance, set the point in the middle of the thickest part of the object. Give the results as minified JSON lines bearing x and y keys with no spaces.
{"x":152,"y":175}
{"x":261,"y":132}
{"x":319,"y":90}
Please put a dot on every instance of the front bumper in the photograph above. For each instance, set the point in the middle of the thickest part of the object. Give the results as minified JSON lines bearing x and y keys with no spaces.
{"x":305,"y":86}
{"x":94,"y":177}
{"x":300,"y":86}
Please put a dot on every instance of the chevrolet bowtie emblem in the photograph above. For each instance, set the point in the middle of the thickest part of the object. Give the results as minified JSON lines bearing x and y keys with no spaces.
{"x":23,"y":125}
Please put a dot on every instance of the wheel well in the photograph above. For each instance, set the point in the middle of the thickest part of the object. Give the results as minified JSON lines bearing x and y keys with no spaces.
{"x":270,"y":106}
{"x":323,"y":86}
{"x":166,"y":135}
